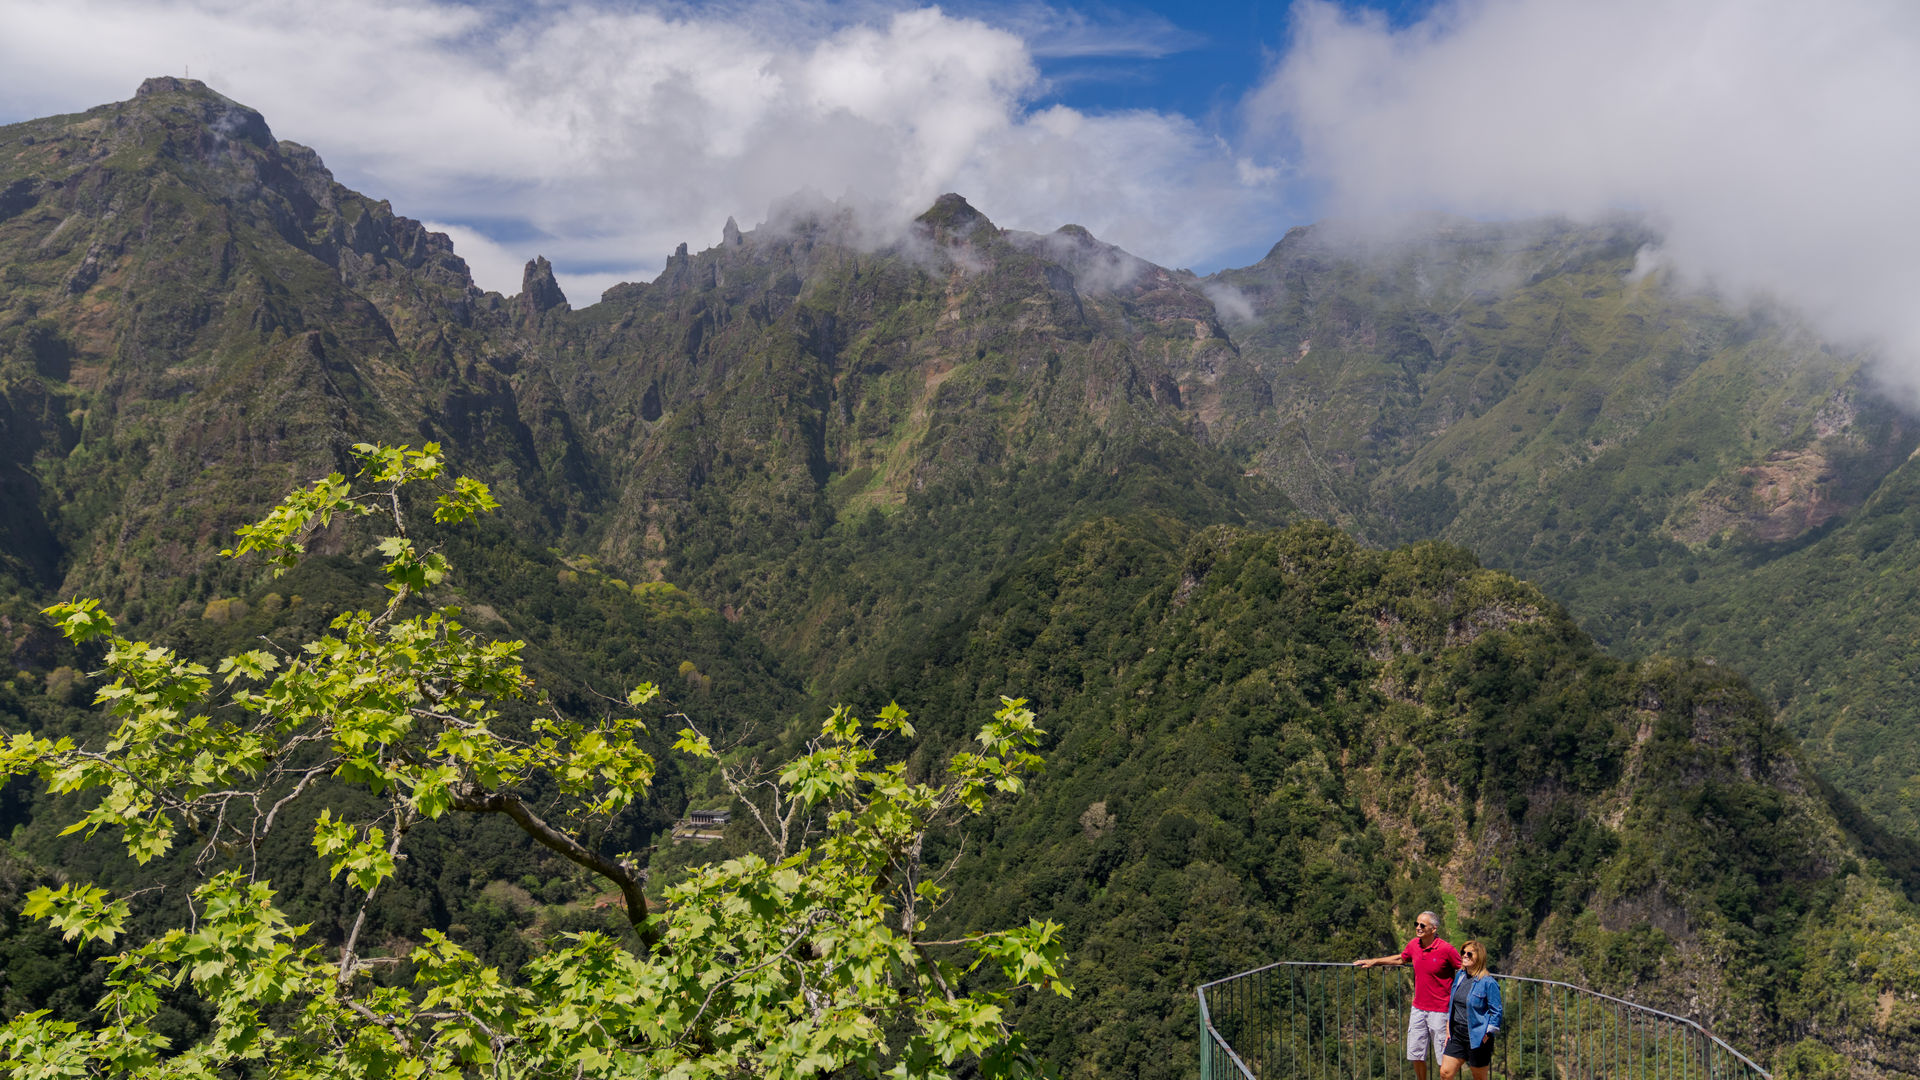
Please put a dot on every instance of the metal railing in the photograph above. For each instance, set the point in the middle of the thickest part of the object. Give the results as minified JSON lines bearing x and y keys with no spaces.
{"x":1308,"y":1021}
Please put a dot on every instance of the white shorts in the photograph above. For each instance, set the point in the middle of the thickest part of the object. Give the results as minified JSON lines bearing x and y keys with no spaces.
{"x":1424,"y":1024}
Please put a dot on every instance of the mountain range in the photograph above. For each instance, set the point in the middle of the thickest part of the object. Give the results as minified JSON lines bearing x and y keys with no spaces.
{"x":1482,"y":567}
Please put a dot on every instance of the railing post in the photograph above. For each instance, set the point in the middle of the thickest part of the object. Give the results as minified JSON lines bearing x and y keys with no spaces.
{"x":1206,"y":1037}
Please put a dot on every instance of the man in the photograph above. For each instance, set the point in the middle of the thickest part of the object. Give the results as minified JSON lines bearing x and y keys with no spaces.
{"x":1434,"y":962}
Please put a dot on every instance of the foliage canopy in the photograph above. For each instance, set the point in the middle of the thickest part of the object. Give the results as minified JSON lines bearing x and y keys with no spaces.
{"x":810,"y":958}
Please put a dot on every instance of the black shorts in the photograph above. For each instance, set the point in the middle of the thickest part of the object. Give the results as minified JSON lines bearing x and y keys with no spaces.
{"x":1475,"y":1059}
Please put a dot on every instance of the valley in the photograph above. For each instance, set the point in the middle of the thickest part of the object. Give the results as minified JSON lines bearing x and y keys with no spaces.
{"x":1475,"y":568}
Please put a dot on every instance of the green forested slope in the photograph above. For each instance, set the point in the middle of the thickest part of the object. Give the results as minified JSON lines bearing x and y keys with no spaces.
{"x":258,"y":320}
{"x":1827,"y":629}
{"x":819,"y":436}
{"x":1682,"y":473}
{"x":801,"y":467}
{"x":1285,"y":745}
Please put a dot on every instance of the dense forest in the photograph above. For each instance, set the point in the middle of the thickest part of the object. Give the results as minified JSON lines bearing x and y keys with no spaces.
{"x":1424,"y":574}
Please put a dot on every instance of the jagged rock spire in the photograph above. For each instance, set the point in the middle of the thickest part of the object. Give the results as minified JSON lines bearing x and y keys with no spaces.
{"x":539,"y":292}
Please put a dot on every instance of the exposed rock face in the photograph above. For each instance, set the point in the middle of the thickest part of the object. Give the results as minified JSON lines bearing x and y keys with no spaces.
{"x":206,"y":308}
{"x":677,"y":275}
{"x":167,"y":84}
{"x":952,"y":218}
{"x":224,"y":118}
{"x":539,"y":291}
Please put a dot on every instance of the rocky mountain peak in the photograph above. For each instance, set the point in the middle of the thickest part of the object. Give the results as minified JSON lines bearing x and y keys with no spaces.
{"x":168,"y":84}
{"x":1096,"y":266}
{"x":539,"y":290}
{"x":223,"y":117}
{"x":952,"y":218}
{"x":1297,"y":239}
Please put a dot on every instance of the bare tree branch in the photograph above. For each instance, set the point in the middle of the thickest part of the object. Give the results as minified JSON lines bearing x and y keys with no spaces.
{"x":294,"y":794}
{"x":394,"y":1029}
{"x":623,"y":876}
{"x":347,"y":958}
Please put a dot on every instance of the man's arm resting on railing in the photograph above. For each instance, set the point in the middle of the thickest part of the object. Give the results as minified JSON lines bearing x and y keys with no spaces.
{"x":1396,"y":960}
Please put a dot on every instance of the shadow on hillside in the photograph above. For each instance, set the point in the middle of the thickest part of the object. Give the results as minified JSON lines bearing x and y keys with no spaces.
{"x":1900,"y":855}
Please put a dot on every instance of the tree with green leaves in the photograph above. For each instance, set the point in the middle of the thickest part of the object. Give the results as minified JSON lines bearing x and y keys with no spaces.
{"x":811,"y":958}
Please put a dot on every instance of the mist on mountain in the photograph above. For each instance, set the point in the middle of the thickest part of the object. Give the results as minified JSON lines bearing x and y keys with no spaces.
{"x":809,"y":464}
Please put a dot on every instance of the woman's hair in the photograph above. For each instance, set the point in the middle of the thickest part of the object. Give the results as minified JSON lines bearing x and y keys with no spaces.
{"x":1477,"y":965}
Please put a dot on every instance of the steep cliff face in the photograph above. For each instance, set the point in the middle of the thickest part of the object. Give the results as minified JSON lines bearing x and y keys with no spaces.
{"x":915,"y":363}
{"x":804,"y":397}
{"x":198,"y":315}
{"x":1477,"y":380}
{"x":198,"y":309}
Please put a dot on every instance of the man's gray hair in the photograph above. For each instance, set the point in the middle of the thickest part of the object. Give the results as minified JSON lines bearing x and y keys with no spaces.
{"x":1430,"y":917}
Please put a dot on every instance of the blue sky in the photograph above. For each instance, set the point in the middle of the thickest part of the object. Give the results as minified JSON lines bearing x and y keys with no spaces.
{"x":1199,"y":59}
{"x":1772,"y":141}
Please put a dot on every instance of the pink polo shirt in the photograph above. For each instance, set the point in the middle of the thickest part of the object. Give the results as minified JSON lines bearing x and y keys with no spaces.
{"x":1433,"y":968}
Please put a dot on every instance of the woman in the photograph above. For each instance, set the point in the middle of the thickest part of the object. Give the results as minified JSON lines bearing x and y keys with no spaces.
{"x":1473,"y":1016}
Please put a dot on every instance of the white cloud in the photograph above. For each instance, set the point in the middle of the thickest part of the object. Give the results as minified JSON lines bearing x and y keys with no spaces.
{"x":611,"y":131}
{"x":1232,"y":304}
{"x":1156,"y":185}
{"x":493,"y":265}
{"x":1774,"y":139}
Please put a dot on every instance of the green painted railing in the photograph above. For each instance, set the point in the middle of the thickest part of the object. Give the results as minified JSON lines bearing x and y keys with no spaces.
{"x":1306,"y":1021}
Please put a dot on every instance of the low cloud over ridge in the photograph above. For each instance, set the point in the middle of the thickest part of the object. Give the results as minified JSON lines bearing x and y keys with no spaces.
{"x":604,"y":133}
{"x":1773,"y":141}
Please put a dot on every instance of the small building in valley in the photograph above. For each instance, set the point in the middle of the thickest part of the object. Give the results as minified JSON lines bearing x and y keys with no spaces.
{"x":701,"y":826}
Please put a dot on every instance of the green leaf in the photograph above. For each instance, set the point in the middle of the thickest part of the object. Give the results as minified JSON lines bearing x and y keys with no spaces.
{"x":78,"y":911}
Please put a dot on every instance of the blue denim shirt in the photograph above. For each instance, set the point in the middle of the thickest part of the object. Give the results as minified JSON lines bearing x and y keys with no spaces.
{"x":1483,"y":1007}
